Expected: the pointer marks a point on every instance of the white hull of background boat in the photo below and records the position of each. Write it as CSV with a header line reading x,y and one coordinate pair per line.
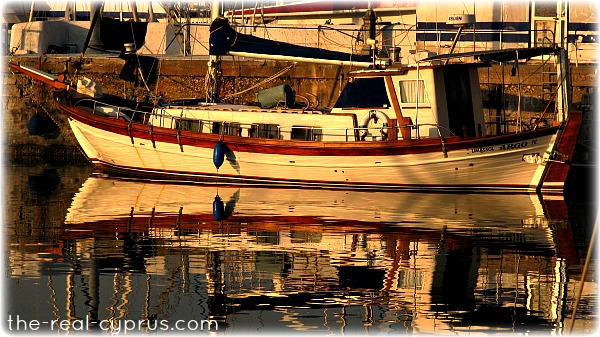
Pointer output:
x,y
495,167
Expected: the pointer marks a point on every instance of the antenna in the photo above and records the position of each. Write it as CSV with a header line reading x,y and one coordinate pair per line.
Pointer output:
x,y
461,21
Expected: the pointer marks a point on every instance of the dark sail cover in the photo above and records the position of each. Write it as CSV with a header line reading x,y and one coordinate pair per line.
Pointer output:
x,y
224,39
503,55
114,33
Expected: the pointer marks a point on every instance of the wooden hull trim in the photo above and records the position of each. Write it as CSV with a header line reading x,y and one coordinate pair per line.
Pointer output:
x,y
301,148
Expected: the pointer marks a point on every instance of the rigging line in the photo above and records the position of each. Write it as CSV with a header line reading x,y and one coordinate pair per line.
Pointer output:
x,y
138,60
334,29
550,101
162,41
70,139
536,70
269,79
403,31
411,27
465,6
174,37
158,75
157,83
335,43
193,36
26,29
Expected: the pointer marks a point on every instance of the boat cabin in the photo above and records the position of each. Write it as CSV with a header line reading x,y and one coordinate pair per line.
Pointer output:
x,y
408,103
429,100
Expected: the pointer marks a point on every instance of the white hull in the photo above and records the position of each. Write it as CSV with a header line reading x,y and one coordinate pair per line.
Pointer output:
x,y
467,169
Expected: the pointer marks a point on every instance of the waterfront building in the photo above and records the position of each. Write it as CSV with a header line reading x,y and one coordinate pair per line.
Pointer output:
x,y
404,30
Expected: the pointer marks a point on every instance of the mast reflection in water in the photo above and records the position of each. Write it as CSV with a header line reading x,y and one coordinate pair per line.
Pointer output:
x,y
252,259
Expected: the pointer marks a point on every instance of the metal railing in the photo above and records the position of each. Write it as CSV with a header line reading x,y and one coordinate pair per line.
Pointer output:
x,y
163,119
285,132
119,111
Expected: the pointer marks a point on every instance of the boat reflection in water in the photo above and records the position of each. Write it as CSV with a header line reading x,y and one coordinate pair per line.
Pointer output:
x,y
258,259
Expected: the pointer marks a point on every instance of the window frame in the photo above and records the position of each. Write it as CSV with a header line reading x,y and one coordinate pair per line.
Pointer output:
x,y
310,133
259,130
425,103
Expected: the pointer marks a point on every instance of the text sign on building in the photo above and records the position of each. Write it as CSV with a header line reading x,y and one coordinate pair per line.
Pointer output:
x,y
461,19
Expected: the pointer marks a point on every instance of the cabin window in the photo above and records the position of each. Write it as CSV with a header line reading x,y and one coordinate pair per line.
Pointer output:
x,y
409,94
269,131
544,33
364,93
188,124
206,127
230,129
545,8
216,128
306,133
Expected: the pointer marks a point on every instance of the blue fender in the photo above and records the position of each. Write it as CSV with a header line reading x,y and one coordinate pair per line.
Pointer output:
x,y
219,154
218,209
39,125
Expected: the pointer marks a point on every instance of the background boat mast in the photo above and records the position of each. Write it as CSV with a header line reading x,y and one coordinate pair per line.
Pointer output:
x,y
213,76
562,67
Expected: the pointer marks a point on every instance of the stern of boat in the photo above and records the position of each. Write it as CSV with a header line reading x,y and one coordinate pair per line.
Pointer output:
x,y
561,156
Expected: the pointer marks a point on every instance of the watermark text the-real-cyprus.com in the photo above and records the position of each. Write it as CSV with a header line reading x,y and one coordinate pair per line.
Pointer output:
x,y
111,325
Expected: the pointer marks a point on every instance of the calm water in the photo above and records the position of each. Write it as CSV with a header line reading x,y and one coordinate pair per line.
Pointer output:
x,y
94,253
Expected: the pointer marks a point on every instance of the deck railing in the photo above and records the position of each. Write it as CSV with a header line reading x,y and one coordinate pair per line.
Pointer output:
x,y
164,119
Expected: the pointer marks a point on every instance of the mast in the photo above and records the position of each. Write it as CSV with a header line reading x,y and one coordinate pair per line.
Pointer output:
x,y
461,21
70,14
369,31
562,66
562,74
31,11
213,76
150,12
134,11
93,38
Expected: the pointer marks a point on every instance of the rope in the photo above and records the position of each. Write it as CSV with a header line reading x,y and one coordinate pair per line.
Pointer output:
x,y
269,79
549,102
73,142
335,43
158,78
536,70
13,50
138,60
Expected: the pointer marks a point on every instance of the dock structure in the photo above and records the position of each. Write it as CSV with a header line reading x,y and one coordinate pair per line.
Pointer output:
x,y
404,31
177,37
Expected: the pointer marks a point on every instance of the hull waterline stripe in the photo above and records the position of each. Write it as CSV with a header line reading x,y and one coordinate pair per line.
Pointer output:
x,y
175,176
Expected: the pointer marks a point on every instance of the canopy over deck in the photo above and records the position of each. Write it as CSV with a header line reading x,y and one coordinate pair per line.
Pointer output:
x,y
499,55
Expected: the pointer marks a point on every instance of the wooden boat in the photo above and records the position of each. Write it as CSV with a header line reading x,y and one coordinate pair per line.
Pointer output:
x,y
413,128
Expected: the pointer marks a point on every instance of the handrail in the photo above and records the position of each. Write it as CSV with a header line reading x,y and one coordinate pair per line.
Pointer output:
x,y
162,116
106,104
348,133
97,103
553,42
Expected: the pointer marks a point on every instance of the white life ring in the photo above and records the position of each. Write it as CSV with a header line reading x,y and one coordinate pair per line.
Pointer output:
x,y
373,115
